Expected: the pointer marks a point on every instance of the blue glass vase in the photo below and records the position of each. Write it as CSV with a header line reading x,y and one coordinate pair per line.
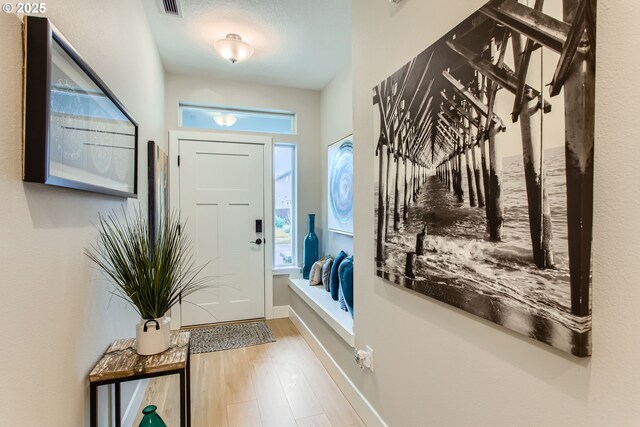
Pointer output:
x,y
310,248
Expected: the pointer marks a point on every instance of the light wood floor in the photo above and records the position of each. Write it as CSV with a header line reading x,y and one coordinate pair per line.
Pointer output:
x,y
278,384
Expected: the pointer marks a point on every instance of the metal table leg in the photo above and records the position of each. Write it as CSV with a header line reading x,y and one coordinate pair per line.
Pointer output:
x,y
183,399
118,405
93,405
188,364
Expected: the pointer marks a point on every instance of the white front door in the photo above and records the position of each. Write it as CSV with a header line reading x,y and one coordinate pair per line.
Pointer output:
x,y
221,199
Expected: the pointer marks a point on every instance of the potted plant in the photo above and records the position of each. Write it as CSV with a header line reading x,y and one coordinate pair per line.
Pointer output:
x,y
152,276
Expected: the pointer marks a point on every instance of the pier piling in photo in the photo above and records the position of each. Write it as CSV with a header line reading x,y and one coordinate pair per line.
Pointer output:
x,y
477,177
396,192
496,209
579,110
458,175
420,241
386,186
381,195
409,265
405,211
472,191
538,203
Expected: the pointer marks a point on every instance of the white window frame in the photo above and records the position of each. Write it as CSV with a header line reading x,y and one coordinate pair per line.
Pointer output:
x,y
294,268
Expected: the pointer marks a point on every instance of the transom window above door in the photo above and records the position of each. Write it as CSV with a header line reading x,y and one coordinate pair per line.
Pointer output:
x,y
237,119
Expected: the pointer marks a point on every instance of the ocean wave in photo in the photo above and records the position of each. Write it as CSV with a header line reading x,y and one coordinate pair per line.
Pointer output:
x,y
460,259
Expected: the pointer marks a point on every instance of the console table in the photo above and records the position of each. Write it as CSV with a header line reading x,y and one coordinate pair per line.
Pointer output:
x,y
121,363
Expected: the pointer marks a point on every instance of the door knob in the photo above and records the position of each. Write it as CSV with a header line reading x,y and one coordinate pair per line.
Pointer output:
x,y
257,241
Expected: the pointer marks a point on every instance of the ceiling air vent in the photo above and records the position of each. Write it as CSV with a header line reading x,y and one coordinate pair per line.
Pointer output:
x,y
171,7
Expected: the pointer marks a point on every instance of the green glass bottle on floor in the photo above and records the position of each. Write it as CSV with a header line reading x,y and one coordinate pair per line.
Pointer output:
x,y
151,419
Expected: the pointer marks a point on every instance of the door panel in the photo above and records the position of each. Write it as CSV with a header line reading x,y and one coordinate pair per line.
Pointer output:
x,y
221,196
210,164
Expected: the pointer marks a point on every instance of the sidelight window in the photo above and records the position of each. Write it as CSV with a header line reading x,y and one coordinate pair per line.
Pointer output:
x,y
285,202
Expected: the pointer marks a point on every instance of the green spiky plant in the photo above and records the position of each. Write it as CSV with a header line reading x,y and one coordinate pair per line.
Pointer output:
x,y
151,276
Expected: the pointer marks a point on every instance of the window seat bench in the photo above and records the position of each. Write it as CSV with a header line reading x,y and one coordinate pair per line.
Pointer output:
x,y
329,310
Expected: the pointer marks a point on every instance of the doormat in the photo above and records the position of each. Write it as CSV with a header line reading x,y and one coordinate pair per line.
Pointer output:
x,y
225,337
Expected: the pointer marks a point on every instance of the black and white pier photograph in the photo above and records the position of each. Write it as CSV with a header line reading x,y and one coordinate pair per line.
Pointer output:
x,y
484,169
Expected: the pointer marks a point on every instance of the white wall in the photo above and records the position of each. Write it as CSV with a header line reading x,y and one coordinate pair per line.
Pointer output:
x,y
305,103
436,365
336,118
57,315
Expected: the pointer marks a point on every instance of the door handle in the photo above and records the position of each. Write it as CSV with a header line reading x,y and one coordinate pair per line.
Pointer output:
x,y
257,242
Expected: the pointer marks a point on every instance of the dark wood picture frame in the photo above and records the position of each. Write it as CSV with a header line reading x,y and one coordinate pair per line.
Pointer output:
x,y
39,39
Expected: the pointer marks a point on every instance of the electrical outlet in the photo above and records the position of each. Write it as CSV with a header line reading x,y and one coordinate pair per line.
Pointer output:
x,y
370,351
358,355
364,358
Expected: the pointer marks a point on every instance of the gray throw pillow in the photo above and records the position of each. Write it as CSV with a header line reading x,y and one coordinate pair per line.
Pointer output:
x,y
326,273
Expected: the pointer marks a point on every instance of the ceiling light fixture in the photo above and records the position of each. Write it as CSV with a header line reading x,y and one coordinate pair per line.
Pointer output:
x,y
225,120
233,48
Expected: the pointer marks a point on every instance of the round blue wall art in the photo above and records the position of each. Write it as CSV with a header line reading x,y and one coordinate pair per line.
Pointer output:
x,y
341,186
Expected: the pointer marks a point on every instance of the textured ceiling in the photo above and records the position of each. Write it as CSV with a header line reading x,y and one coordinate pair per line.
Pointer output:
x,y
298,43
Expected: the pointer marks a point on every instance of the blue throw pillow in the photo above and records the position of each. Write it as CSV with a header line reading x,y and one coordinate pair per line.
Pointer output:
x,y
346,284
341,303
334,280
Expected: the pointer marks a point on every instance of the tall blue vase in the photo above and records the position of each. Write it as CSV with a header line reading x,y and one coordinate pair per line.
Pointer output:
x,y
310,247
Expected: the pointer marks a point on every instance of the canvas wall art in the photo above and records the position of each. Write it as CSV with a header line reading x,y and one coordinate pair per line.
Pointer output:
x,y
484,169
158,163
77,134
340,175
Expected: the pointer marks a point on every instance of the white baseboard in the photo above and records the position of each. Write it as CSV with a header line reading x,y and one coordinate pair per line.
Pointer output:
x,y
280,312
362,406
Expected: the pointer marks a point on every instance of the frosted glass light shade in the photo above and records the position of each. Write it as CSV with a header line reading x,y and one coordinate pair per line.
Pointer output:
x,y
226,120
233,48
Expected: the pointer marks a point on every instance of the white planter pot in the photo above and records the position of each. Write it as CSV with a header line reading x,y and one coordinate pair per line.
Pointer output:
x,y
153,336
